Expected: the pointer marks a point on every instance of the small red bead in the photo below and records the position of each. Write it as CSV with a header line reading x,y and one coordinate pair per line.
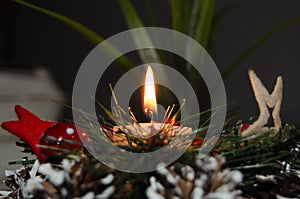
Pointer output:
x,y
58,138
197,142
244,127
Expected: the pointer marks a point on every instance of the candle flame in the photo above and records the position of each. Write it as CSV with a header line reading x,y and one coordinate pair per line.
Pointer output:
x,y
149,92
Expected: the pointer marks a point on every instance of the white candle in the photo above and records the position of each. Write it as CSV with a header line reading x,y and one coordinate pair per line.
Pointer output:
x,y
146,130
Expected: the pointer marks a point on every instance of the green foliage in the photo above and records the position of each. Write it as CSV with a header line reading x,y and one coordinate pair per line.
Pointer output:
x,y
133,21
196,22
255,155
260,154
180,13
204,21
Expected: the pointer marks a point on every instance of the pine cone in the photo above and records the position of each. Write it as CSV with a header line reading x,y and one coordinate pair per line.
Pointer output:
x,y
285,183
206,180
72,178
16,181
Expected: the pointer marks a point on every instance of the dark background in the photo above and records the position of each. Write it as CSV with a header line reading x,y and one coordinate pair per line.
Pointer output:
x,y
30,39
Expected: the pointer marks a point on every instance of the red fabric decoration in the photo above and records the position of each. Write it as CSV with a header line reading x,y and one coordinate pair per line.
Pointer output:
x,y
29,128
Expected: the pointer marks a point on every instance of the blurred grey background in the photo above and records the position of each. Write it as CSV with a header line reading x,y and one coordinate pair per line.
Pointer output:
x,y
29,39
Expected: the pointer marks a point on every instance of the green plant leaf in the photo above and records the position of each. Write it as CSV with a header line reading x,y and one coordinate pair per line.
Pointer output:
x,y
83,30
133,21
153,23
205,14
150,13
180,13
181,17
199,29
256,43
193,18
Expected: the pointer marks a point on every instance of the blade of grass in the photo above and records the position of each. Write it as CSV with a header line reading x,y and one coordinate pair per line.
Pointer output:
x,y
81,29
133,21
257,43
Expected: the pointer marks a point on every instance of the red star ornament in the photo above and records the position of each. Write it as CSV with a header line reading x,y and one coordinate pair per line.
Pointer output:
x,y
36,132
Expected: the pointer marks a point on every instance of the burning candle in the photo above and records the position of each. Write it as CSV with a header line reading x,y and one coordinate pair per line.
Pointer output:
x,y
146,130
150,104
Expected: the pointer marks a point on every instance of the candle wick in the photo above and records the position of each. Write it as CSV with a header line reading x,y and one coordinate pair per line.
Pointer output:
x,y
150,114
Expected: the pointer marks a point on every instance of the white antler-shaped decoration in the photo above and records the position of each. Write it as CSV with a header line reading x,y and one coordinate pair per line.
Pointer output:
x,y
265,100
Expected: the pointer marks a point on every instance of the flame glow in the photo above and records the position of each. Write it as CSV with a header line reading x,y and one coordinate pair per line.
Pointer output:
x,y
149,92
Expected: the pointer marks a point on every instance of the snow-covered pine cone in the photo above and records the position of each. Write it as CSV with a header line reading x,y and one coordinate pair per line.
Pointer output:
x,y
16,181
206,180
81,178
284,183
